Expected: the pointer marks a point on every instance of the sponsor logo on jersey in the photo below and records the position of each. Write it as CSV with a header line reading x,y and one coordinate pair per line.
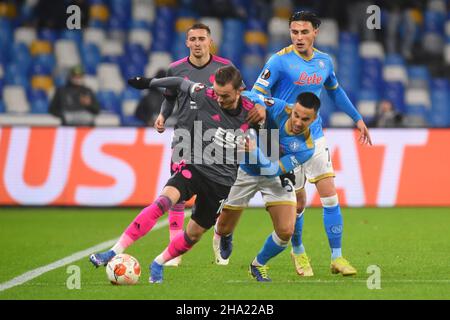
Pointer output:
x,y
294,161
306,79
266,74
269,102
193,105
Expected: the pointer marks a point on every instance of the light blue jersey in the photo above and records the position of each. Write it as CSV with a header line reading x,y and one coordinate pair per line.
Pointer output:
x,y
295,149
288,73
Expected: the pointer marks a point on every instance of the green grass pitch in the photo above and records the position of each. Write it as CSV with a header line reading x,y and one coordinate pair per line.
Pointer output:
x,y
410,245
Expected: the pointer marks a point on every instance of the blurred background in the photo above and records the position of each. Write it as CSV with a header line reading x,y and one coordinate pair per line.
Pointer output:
x,y
403,67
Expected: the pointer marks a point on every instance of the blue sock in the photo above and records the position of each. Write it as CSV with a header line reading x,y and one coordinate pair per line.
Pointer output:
x,y
272,247
297,244
332,220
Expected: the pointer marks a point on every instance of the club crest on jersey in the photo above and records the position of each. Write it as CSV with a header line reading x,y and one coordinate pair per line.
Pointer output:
x,y
321,64
198,87
306,79
294,146
266,74
269,102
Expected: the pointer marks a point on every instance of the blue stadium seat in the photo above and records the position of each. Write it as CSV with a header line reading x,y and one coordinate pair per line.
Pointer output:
x,y
130,70
440,101
20,55
139,24
434,22
48,61
108,101
75,35
131,94
136,53
39,68
90,56
394,59
419,76
2,106
371,74
395,92
48,34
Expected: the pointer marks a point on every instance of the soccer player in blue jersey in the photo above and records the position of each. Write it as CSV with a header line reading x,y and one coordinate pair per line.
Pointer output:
x,y
296,147
300,68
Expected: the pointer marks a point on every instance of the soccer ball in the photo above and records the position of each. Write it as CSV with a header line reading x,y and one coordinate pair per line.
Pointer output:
x,y
123,269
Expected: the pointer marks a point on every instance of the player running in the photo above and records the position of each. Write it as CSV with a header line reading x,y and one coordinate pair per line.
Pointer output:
x,y
297,146
210,175
200,67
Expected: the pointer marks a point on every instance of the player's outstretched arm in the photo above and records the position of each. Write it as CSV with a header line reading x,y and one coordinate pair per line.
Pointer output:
x,y
175,83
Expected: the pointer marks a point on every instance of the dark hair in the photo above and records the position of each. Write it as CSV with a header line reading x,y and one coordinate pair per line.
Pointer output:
x,y
227,74
309,100
196,26
305,16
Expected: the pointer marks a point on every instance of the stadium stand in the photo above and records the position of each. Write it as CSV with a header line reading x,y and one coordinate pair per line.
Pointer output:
x,y
124,38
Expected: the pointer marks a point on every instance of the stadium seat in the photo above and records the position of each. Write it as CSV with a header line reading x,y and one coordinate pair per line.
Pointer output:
x,y
395,73
141,37
35,120
40,47
418,97
143,10
277,27
2,105
90,55
395,92
39,68
215,25
329,33
48,35
66,53
74,35
111,48
419,77
107,119
42,82
99,12
156,62
15,99
127,115
340,120
183,23
371,49
109,77
91,82
94,35
25,34
108,101
447,54
394,59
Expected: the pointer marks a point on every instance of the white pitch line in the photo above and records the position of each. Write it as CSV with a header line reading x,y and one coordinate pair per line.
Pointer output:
x,y
27,276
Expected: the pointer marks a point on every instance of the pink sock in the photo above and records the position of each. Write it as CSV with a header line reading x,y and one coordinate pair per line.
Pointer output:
x,y
145,221
177,246
176,219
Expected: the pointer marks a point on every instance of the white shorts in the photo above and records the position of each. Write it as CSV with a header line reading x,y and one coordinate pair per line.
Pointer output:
x,y
318,167
273,193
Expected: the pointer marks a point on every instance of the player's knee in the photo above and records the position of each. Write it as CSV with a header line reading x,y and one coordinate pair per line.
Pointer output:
x,y
285,232
332,201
